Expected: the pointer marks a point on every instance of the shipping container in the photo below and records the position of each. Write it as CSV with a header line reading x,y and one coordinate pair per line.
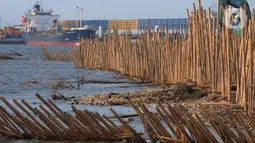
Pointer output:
x,y
123,24
172,24
142,24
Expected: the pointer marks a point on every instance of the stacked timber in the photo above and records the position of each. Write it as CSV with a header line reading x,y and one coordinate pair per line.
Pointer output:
x,y
123,24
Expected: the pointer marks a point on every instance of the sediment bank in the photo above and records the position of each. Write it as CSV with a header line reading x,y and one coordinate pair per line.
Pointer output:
x,y
172,94
5,57
12,56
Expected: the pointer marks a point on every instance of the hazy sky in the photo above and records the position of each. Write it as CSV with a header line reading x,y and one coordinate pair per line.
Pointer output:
x,y
12,10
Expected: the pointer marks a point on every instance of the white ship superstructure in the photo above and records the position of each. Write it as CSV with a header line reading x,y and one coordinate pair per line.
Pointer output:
x,y
39,19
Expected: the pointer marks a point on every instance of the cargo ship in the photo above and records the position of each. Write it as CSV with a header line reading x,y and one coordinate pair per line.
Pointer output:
x,y
10,35
42,27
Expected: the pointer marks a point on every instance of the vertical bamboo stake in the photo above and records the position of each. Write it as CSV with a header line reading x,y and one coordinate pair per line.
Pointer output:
x,y
228,65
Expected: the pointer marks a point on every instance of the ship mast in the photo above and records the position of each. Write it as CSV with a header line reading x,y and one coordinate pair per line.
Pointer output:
x,y
40,4
1,22
80,9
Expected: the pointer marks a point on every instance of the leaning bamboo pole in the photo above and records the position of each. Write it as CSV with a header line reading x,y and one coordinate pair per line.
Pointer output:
x,y
49,122
177,124
167,123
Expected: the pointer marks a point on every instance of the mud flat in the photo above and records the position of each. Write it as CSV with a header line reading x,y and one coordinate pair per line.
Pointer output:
x,y
4,57
12,56
173,94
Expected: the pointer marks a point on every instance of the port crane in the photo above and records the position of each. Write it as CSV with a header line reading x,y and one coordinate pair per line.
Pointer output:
x,y
77,8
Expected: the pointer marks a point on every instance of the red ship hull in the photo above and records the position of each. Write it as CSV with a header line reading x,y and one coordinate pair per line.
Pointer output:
x,y
50,43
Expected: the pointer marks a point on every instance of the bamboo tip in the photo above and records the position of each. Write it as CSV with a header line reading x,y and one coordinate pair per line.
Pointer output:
x,y
38,95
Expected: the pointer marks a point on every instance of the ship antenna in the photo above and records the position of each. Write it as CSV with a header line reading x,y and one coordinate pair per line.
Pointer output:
x,y
40,4
1,22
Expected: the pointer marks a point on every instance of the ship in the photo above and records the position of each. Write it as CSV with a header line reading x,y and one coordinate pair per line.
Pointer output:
x,y
10,35
42,27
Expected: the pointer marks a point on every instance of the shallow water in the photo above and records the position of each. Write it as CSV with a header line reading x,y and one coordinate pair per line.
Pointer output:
x,y
15,75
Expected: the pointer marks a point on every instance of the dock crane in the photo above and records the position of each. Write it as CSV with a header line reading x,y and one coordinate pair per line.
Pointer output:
x,y
77,8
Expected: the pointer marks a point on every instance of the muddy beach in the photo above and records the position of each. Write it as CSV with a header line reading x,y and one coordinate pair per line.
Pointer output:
x,y
166,95
11,55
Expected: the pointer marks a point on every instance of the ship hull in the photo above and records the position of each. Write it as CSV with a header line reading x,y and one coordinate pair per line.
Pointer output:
x,y
66,38
12,42
13,38
51,43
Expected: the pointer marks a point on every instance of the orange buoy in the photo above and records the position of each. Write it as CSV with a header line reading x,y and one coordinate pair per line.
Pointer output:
x,y
23,20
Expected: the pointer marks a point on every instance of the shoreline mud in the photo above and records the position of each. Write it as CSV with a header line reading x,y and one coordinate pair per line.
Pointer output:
x,y
12,56
177,93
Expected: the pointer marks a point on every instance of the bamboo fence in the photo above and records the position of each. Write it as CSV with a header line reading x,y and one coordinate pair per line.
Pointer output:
x,y
177,124
201,54
49,122
167,124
